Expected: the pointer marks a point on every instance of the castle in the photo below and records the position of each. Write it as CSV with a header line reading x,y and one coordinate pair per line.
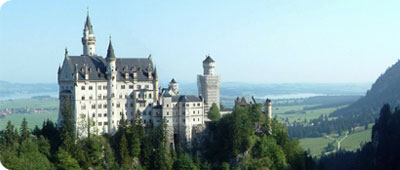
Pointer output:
x,y
100,91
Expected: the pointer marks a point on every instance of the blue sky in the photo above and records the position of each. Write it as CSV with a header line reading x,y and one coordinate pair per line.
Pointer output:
x,y
265,41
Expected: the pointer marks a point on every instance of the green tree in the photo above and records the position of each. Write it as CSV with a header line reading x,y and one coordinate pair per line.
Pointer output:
x,y
124,152
31,158
162,160
24,130
64,161
184,162
213,113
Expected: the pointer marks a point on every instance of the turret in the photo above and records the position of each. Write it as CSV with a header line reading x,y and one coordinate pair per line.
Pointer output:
x,y
155,85
88,39
208,66
268,109
174,86
111,88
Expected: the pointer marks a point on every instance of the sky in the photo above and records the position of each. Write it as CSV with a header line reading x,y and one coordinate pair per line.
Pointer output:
x,y
257,41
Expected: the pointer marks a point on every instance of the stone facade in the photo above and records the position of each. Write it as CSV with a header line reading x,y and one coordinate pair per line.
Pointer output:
x,y
100,91
209,84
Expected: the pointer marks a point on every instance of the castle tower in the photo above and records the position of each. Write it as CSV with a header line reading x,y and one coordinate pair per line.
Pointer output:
x,y
208,84
155,85
268,109
88,39
111,88
174,86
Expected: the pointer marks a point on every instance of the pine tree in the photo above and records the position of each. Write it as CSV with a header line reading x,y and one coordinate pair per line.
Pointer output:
x,y
24,130
162,160
124,152
213,113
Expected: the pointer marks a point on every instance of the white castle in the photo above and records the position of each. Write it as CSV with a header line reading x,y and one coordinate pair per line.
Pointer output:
x,y
103,90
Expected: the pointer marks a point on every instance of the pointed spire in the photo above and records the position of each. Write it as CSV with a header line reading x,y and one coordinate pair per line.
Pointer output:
x,y
88,24
66,52
150,58
155,72
110,52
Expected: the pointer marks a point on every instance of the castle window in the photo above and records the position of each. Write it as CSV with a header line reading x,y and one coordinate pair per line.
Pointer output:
x,y
105,123
150,96
90,87
194,112
90,97
83,116
132,113
122,86
112,95
120,96
99,97
146,86
83,97
131,104
183,120
183,105
120,113
83,107
99,115
187,105
105,106
144,121
82,87
150,121
198,104
138,87
93,115
130,86
93,106
99,123
198,119
194,104
118,105
142,104
105,114
104,97
194,119
167,105
167,113
99,87
198,111
105,87
126,96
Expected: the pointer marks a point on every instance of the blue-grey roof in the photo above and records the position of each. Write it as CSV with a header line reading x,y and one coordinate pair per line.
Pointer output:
x,y
96,66
110,52
186,98
208,60
88,25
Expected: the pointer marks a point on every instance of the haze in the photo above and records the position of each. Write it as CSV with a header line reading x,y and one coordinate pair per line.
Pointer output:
x,y
266,41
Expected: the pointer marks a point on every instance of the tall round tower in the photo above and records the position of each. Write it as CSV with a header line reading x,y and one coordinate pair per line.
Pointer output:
x,y
111,88
209,66
88,39
174,86
268,109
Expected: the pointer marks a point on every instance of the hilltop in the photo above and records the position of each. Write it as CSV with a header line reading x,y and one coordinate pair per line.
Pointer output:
x,y
386,89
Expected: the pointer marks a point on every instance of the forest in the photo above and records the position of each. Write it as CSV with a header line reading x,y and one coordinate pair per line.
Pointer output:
x,y
245,139
382,152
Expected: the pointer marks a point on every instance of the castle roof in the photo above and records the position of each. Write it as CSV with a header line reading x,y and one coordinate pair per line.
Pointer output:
x,y
110,52
172,81
186,98
96,66
88,24
208,60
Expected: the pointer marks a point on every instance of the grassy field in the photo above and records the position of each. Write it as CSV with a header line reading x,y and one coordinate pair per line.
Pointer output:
x,y
33,119
30,103
301,115
316,145
353,141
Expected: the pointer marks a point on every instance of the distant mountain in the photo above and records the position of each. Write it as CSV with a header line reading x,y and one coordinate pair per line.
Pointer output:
x,y
386,89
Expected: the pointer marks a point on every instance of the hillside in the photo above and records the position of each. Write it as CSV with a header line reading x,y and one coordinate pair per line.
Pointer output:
x,y
386,89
